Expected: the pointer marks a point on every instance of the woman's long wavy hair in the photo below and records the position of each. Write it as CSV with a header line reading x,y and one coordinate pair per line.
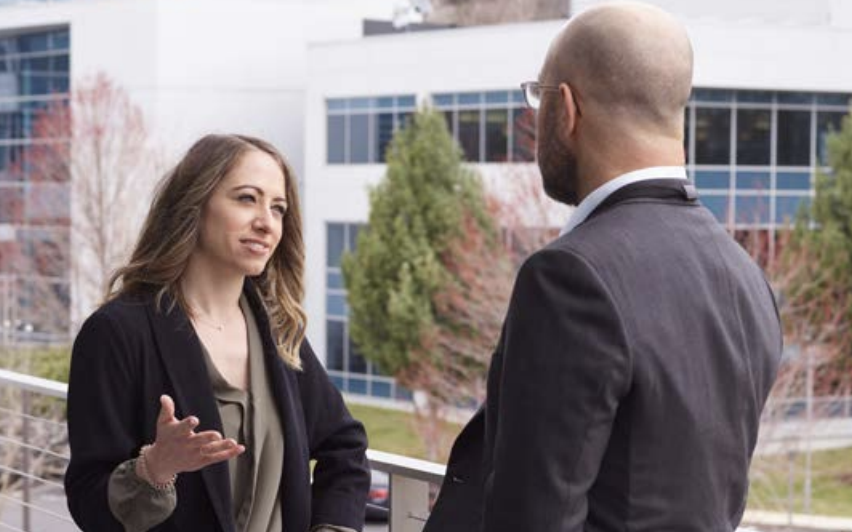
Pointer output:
x,y
171,230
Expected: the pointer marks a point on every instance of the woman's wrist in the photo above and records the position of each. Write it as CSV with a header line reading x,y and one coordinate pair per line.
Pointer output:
x,y
147,468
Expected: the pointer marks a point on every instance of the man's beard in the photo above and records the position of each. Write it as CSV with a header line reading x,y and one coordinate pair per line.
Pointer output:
x,y
558,167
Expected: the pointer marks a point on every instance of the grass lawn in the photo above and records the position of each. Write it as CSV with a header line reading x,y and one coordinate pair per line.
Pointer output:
x,y
831,484
396,432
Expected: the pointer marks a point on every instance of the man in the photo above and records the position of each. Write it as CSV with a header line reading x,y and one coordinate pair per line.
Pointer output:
x,y
639,347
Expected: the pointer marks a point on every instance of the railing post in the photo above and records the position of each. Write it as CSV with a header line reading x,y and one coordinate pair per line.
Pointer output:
x,y
409,504
25,437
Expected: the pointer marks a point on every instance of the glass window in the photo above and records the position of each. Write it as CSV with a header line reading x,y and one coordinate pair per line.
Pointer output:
x,y
752,209
793,181
795,97
833,99
712,179
718,205
334,245
442,100
352,241
469,98
357,363
794,138
34,42
448,117
712,136
469,134
406,102
47,250
334,280
336,305
496,135
497,97
787,208
381,389
48,203
712,95
686,135
334,334
755,96
336,104
359,138
827,122
384,134
753,140
357,385
336,139
385,102
523,135
753,181
11,204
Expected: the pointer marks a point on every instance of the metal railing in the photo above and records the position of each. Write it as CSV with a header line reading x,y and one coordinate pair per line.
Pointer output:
x,y
37,493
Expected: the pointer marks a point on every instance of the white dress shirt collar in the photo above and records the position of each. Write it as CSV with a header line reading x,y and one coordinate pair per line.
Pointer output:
x,y
590,202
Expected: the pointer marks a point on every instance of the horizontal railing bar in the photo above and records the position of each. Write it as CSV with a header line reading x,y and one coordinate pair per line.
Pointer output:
x,y
34,384
407,467
4,439
31,477
37,508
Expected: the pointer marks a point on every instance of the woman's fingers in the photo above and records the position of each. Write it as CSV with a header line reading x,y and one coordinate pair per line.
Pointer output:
x,y
167,410
221,450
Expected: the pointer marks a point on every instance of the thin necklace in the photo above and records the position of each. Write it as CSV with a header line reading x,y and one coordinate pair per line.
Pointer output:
x,y
219,328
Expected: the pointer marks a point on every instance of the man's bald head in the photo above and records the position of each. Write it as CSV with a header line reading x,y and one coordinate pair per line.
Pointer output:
x,y
626,60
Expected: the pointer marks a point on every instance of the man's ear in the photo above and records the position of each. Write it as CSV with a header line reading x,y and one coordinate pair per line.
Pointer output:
x,y
570,110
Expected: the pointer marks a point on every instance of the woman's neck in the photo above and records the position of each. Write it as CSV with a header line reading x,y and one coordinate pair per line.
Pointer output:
x,y
210,293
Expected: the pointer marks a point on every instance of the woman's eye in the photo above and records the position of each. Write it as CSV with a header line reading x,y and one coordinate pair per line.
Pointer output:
x,y
280,209
248,198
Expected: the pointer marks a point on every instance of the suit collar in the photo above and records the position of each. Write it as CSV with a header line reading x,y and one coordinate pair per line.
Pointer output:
x,y
661,189
591,202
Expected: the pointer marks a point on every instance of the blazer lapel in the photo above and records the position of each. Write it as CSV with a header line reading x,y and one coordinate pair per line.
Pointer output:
x,y
296,475
180,351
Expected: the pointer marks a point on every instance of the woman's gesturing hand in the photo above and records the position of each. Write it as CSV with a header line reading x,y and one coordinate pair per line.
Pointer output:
x,y
178,448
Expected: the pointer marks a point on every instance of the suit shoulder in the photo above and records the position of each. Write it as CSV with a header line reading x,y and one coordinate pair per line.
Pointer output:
x,y
117,313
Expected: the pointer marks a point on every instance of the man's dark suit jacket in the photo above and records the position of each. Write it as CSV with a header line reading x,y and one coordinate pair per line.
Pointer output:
x,y
128,353
627,385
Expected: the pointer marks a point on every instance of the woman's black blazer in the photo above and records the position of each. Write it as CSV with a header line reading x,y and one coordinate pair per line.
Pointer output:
x,y
129,352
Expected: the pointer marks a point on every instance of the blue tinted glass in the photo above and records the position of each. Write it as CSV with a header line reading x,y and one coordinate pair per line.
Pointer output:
x,y
334,342
795,97
59,63
793,181
384,133
60,40
753,181
358,385
752,209
833,99
336,104
718,205
361,103
381,389
334,245
354,229
712,179
336,142
787,208
359,138
334,280
33,42
470,98
338,382
755,96
442,100
517,97
712,136
406,102
336,305
712,95
385,102
497,97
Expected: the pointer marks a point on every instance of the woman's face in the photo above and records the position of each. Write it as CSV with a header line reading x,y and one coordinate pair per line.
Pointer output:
x,y
242,221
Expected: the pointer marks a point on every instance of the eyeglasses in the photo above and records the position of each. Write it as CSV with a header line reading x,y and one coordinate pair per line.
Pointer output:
x,y
532,92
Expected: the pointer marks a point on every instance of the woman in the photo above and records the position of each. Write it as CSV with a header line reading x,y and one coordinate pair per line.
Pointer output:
x,y
195,401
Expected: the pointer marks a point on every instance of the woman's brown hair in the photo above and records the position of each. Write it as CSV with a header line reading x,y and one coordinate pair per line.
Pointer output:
x,y
170,234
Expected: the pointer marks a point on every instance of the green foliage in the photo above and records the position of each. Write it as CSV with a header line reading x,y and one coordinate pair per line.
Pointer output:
x,y
827,236
416,212
52,363
394,431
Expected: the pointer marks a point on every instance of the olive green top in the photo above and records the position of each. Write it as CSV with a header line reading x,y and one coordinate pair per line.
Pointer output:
x,y
250,418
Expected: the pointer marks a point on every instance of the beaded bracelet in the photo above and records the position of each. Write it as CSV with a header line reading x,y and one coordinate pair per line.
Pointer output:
x,y
146,475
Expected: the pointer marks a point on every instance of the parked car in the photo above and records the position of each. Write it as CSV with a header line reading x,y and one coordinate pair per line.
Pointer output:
x,y
378,501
